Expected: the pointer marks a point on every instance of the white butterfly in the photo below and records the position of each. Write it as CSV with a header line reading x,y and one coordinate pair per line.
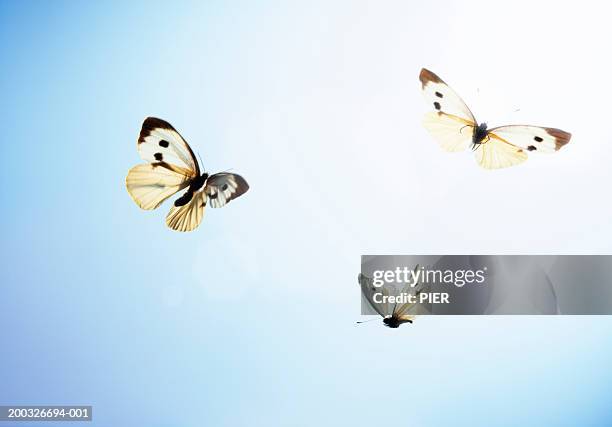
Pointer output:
x,y
393,315
454,127
173,167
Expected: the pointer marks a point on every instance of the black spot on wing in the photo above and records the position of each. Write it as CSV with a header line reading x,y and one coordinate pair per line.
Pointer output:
x,y
531,148
439,95
437,105
150,124
164,143
159,157
538,139
213,196
224,187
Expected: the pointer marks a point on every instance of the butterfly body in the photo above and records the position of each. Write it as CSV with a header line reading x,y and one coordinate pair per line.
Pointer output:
x,y
480,133
494,148
172,167
195,185
395,321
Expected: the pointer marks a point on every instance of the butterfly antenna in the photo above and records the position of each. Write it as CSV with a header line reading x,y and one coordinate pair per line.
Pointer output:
x,y
201,162
365,321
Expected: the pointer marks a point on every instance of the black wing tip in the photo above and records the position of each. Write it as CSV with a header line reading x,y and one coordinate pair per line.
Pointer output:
x,y
243,187
427,76
151,123
242,184
156,122
561,137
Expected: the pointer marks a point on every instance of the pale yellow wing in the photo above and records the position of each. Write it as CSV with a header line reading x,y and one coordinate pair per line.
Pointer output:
x,y
151,183
453,133
188,216
497,153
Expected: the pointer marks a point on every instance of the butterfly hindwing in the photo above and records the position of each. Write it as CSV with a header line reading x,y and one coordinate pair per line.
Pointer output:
x,y
451,132
497,153
188,216
223,187
533,138
149,184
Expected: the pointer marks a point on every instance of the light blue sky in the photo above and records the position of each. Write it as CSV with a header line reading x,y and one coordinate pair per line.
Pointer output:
x,y
249,320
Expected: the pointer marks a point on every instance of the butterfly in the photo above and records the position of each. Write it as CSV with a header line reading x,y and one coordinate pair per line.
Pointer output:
x,y
394,316
172,167
454,127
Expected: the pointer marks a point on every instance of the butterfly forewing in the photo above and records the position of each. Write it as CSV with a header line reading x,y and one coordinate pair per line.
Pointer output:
x,y
160,142
533,138
223,187
443,98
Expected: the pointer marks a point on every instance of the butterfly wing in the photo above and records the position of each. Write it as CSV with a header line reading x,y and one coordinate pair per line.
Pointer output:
x,y
221,188
442,97
452,123
532,138
451,132
401,311
498,153
368,290
188,216
160,142
172,164
149,184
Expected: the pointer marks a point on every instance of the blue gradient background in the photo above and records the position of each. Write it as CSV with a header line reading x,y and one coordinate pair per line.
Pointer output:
x,y
250,319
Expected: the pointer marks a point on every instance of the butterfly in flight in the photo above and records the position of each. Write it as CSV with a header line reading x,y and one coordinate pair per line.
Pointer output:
x,y
393,315
454,127
172,167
